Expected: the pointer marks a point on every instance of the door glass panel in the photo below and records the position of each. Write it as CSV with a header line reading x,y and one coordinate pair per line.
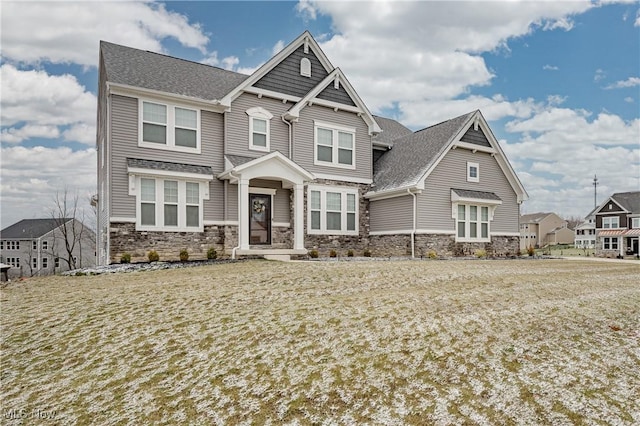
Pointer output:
x,y
260,219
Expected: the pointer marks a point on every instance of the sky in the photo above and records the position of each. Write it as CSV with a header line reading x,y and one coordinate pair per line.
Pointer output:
x,y
558,81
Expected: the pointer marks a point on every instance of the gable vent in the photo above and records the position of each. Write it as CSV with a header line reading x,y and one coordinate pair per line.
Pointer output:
x,y
305,67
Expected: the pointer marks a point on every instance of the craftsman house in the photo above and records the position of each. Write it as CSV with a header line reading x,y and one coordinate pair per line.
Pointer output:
x,y
285,160
618,225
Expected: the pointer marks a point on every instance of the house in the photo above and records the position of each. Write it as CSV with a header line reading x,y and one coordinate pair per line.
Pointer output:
x,y
542,229
618,225
285,160
585,237
39,246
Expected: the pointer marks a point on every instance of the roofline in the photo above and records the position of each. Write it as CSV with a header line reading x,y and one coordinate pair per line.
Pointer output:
x,y
597,209
127,90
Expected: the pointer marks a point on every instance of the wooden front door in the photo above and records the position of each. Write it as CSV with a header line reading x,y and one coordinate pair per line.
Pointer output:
x,y
259,219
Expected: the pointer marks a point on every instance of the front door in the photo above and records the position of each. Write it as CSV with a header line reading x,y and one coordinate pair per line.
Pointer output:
x,y
259,219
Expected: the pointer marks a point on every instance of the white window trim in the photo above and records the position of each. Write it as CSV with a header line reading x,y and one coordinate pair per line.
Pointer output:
x,y
335,128
635,222
609,219
323,210
159,204
477,167
261,114
467,221
610,240
170,126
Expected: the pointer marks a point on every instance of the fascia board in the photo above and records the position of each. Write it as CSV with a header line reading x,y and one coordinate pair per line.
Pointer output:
x,y
132,91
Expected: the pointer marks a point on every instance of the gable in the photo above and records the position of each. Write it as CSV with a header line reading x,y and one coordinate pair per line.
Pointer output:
x,y
285,77
610,206
339,95
475,136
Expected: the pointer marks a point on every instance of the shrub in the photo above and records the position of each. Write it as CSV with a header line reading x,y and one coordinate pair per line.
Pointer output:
x,y
125,258
212,253
531,251
333,253
518,253
350,253
153,256
313,254
184,255
366,253
432,254
481,254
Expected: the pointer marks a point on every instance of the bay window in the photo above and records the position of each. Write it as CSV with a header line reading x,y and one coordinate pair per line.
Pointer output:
x,y
332,211
169,204
472,223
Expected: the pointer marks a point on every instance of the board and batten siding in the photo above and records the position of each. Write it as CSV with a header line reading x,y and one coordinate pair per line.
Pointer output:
x,y
124,143
391,214
434,203
238,125
304,139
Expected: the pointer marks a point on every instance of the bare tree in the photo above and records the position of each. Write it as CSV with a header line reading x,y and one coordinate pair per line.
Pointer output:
x,y
70,224
573,221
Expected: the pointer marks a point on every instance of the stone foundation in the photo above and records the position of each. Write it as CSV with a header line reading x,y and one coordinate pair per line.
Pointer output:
x,y
429,245
125,239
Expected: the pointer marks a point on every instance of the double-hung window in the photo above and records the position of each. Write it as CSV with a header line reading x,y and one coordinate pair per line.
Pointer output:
x,y
171,127
45,245
610,243
169,204
473,172
635,222
259,128
472,223
610,222
332,211
334,145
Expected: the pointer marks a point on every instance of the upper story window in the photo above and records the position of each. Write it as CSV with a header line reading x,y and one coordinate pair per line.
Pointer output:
x,y
611,222
635,222
332,210
473,172
170,127
34,245
13,245
259,129
45,245
334,145
169,205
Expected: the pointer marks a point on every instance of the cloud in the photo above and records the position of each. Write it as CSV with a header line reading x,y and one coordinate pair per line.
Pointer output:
x,y
306,10
228,63
277,47
35,104
550,68
629,100
30,177
630,82
68,32
599,75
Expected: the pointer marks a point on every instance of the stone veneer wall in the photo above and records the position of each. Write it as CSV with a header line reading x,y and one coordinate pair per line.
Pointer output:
x,y
340,243
125,239
441,245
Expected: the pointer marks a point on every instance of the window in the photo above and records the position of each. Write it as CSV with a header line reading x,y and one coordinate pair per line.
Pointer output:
x,y
56,262
14,261
259,128
34,245
169,127
13,245
334,145
45,263
305,67
169,205
473,172
472,223
635,222
610,222
332,210
45,245
34,263
1,244
610,243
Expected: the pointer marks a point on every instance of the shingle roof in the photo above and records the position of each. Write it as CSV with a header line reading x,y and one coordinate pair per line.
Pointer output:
x,y
480,195
629,200
391,130
172,167
238,160
413,154
533,217
139,68
32,228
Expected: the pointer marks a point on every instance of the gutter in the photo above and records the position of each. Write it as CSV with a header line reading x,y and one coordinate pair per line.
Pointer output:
x,y
285,121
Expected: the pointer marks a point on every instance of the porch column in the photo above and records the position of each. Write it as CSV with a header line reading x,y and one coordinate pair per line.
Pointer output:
x,y
621,245
298,220
243,213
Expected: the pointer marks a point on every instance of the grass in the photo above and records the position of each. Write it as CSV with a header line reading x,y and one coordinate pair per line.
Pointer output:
x,y
451,342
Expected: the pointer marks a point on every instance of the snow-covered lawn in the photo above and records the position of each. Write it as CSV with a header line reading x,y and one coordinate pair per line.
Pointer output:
x,y
422,342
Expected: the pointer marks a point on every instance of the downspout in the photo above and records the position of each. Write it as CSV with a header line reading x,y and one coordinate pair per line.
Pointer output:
x,y
413,231
233,251
285,121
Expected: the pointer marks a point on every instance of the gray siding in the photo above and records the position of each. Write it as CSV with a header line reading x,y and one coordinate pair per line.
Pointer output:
x,y
286,78
476,137
304,139
124,142
281,204
339,95
238,125
434,204
392,214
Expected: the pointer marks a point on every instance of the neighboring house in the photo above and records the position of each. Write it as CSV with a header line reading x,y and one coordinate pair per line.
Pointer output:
x,y
285,160
37,246
585,237
542,229
618,225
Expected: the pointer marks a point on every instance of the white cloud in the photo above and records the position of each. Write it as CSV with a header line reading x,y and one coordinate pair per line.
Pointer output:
x,y
277,47
630,82
548,67
599,75
31,176
629,99
34,104
228,63
306,10
68,32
